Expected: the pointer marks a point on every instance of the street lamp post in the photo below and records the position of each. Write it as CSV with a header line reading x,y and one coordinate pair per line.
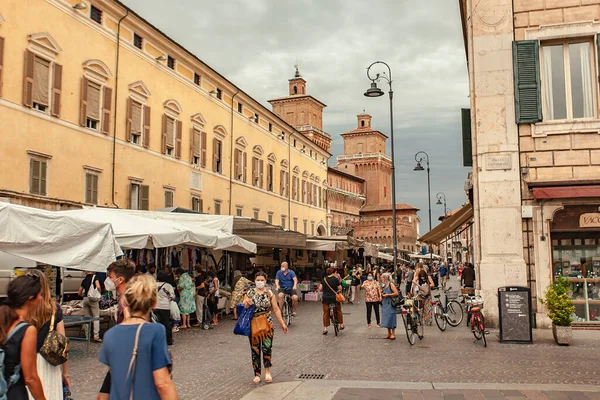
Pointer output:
x,y
419,158
440,196
374,91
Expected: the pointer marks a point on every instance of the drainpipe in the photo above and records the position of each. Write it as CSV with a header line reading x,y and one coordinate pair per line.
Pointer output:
x,y
114,147
231,155
290,170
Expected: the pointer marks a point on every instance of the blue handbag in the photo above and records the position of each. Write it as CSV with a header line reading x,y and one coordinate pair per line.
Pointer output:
x,y
242,326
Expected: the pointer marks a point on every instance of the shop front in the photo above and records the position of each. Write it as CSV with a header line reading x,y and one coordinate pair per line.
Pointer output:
x,y
575,241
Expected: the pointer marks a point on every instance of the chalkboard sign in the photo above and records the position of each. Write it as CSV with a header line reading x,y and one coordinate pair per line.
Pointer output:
x,y
514,306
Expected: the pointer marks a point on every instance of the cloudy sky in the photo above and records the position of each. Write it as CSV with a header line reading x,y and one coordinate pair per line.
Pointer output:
x,y
255,44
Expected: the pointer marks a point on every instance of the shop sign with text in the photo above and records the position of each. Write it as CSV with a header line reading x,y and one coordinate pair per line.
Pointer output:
x,y
589,220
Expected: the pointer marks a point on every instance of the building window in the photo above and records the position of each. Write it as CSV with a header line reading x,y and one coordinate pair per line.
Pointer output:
x,y
256,213
96,14
271,129
217,207
170,136
305,227
41,85
196,79
38,169
568,79
240,159
169,198
296,224
219,94
217,156
257,172
240,107
170,62
139,196
136,112
256,118
239,211
283,221
197,204
270,217
93,100
138,41
270,169
91,188
312,227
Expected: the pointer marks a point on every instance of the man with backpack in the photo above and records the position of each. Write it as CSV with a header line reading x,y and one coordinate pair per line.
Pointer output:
x,y
443,273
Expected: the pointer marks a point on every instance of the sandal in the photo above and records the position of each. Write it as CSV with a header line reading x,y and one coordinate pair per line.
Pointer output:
x,y
256,379
97,340
387,336
324,332
268,379
392,337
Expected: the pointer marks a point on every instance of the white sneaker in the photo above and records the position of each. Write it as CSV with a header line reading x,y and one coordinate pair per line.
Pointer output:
x,y
175,329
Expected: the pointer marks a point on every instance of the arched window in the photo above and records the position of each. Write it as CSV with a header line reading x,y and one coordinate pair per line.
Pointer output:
x,y
96,96
240,160
258,167
171,129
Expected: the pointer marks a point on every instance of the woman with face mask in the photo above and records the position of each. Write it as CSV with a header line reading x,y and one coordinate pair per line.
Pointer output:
x,y
372,297
266,305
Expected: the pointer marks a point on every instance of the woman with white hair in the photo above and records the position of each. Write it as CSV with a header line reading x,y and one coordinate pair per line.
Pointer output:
x,y
388,318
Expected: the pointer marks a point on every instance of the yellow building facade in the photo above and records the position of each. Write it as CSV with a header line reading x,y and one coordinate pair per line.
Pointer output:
x,y
99,107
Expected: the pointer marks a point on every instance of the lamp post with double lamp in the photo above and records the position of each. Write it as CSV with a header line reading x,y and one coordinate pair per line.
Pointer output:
x,y
440,196
374,91
419,158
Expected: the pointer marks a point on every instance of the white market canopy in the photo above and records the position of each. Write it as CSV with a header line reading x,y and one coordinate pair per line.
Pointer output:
x,y
385,256
193,223
52,238
135,232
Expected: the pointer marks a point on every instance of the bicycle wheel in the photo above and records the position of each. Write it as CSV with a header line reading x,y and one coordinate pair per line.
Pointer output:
x,y
476,328
285,313
455,313
408,326
420,325
336,327
440,318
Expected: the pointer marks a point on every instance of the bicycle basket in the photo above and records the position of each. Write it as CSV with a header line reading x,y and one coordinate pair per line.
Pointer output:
x,y
475,302
467,291
452,294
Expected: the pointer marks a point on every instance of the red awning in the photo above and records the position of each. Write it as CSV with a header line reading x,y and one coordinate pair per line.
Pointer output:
x,y
566,192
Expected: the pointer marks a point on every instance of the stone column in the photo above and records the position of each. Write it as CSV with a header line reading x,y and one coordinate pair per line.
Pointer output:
x,y
496,175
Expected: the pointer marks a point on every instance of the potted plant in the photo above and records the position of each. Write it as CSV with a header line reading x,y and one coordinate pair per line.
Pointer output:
x,y
560,308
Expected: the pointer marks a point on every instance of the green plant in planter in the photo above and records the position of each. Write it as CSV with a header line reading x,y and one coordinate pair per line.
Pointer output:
x,y
559,303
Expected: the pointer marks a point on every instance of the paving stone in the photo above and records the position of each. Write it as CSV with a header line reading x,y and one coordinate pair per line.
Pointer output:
x,y
215,364
367,394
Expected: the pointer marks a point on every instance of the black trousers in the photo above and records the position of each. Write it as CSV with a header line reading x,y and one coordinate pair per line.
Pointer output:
x,y
372,305
164,317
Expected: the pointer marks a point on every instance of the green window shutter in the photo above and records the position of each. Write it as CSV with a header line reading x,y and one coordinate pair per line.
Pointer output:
x,y
465,114
528,99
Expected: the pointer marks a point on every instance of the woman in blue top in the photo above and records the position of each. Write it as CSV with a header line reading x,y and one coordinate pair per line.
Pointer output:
x,y
153,359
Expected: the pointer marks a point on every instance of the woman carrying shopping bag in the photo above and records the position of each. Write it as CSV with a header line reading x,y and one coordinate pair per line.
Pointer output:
x,y
91,291
261,332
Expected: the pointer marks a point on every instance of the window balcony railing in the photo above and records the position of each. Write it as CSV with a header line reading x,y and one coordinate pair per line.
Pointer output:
x,y
305,128
359,156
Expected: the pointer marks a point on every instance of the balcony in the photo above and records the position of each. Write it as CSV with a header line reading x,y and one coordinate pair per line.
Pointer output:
x,y
361,156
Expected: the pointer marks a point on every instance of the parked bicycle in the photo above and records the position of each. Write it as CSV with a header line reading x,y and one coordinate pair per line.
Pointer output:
x,y
286,309
412,315
475,319
449,312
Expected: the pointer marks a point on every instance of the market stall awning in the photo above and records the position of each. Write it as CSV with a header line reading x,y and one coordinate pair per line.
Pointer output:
x,y
450,224
60,240
140,232
566,192
198,226
385,256
265,234
325,245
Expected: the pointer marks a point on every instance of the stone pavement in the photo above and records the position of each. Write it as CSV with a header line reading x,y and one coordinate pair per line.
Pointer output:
x,y
349,390
215,364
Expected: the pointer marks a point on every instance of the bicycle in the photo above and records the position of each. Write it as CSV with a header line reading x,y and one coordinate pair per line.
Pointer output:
x,y
448,313
475,317
412,315
347,291
286,309
333,318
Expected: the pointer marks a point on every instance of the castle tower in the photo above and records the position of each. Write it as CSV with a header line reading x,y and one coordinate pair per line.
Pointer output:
x,y
364,156
303,112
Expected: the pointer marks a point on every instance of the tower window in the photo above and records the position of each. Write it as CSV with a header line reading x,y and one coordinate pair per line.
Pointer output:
x,y
295,89
362,123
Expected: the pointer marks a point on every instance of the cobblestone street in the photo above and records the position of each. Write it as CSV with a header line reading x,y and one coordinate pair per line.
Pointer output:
x,y
216,364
